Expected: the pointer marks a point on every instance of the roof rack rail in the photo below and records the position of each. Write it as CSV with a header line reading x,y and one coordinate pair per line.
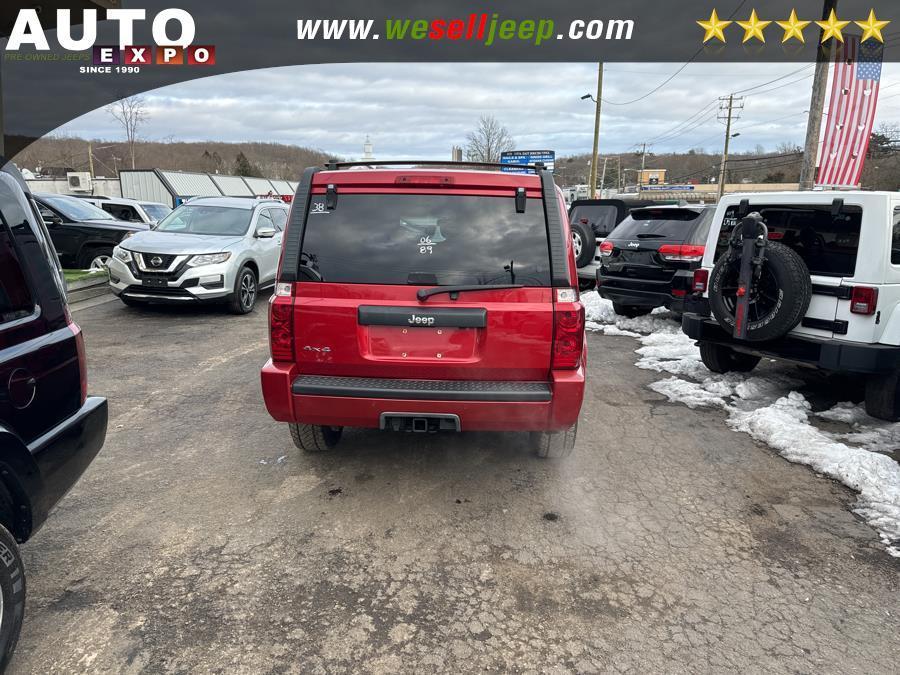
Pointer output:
x,y
335,165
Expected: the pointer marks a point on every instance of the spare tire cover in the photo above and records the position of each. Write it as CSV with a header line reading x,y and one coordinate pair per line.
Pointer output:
x,y
778,302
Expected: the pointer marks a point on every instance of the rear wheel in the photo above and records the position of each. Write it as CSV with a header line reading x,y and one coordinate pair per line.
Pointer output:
x,y
556,444
883,397
243,298
12,596
722,359
631,311
315,438
585,243
586,285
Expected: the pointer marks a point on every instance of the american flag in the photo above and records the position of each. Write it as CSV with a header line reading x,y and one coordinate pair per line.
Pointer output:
x,y
851,112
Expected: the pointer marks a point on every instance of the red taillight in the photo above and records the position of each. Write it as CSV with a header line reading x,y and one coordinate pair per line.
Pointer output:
x,y
82,357
701,279
681,252
775,236
281,324
606,248
568,339
863,300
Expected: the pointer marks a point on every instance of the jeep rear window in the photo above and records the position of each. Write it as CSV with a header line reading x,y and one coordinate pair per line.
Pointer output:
x,y
827,243
432,240
601,219
687,225
15,298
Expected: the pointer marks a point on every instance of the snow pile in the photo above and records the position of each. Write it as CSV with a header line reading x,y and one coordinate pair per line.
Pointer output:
x,y
769,409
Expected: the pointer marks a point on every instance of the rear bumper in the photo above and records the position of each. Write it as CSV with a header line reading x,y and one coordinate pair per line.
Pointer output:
x,y
63,454
825,354
480,406
646,293
589,271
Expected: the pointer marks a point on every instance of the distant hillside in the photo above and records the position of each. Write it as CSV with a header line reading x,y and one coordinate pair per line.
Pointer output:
x,y
270,160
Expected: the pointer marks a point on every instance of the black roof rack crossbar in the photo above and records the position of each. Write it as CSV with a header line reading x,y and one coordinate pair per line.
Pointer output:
x,y
334,165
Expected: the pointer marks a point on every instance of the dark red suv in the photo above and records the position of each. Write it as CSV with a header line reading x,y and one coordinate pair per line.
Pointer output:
x,y
427,299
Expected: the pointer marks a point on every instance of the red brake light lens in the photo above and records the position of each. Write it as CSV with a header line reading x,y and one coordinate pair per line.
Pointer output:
x,y
606,249
568,340
281,328
863,300
79,349
701,280
681,252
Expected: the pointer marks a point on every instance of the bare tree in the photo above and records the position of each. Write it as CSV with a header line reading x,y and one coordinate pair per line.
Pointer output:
x,y
489,139
131,113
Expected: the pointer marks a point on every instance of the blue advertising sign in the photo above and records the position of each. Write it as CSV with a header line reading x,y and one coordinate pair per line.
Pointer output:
x,y
516,158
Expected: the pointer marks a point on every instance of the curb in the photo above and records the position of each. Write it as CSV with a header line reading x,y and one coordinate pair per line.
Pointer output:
x,y
85,289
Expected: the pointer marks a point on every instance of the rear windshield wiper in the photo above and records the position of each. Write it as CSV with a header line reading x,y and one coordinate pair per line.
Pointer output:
x,y
425,293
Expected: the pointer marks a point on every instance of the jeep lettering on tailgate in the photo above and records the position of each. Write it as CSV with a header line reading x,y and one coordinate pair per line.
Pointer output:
x,y
415,320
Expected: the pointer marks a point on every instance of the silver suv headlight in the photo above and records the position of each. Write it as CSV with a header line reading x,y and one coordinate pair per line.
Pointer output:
x,y
208,259
122,254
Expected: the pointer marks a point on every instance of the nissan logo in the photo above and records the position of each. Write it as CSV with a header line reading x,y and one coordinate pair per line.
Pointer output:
x,y
156,261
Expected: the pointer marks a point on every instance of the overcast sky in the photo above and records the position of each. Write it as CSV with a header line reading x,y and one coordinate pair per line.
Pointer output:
x,y
421,110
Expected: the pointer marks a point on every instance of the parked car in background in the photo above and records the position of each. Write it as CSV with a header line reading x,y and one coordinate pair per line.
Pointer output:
x,y
827,294
210,249
130,210
591,221
50,429
84,235
649,259
407,308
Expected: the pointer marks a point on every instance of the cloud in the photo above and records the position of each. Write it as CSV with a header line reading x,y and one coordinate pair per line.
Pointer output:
x,y
422,109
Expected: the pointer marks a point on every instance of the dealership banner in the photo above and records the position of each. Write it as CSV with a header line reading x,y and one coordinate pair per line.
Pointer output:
x,y
62,59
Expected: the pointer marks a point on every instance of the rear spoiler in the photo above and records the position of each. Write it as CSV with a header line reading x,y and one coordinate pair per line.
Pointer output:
x,y
556,233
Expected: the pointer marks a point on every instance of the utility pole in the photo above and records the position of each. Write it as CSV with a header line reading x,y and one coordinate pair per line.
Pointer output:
x,y
603,177
90,159
727,106
643,163
816,106
593,190
620,184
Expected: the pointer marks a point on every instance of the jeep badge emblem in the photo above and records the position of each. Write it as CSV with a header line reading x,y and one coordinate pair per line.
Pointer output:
x,y
415,320
633,244
156,261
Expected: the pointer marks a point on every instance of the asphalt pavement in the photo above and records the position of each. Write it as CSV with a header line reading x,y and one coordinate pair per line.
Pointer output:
x,y
201,540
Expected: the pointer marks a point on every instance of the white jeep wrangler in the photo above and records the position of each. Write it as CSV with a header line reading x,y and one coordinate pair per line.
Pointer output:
x,y
821,288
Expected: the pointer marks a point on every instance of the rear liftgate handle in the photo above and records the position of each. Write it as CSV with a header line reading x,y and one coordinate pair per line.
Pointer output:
x,y
753,236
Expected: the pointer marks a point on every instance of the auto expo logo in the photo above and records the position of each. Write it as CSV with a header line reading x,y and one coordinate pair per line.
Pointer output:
x,y
173,34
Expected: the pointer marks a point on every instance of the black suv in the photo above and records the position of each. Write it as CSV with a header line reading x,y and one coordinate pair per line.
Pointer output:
x,y
591,221
649,259
83,234
50,429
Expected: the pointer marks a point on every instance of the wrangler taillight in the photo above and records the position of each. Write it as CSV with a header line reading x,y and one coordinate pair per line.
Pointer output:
x,y
568,337
606,248
701,280
281,323
863,300
82,358
681,252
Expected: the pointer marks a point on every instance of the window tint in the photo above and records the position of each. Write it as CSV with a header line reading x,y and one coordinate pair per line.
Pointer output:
x,y
75,209
426,240
828,244
15,298
686,225
279,216
212,220
602,219
895,239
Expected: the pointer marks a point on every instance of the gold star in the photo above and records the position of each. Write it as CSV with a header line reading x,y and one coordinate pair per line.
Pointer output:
x,y
832,28
753,27
793,27
713,27
872,27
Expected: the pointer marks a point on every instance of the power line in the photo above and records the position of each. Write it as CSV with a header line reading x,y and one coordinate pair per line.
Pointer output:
x,y
686,121
777,79
699,123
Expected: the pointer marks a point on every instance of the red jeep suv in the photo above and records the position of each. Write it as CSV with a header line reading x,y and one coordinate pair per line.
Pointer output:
x,y
427,299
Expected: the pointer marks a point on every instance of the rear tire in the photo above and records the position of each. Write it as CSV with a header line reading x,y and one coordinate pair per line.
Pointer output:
x,y
12,587
556,444
586,285
315,438
883,397
585,242
631,311
722,359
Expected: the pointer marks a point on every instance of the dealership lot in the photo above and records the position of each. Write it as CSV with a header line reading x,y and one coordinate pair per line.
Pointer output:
x,y
201,539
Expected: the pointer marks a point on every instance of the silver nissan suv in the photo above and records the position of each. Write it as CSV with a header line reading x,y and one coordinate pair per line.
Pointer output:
x,y
209,249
